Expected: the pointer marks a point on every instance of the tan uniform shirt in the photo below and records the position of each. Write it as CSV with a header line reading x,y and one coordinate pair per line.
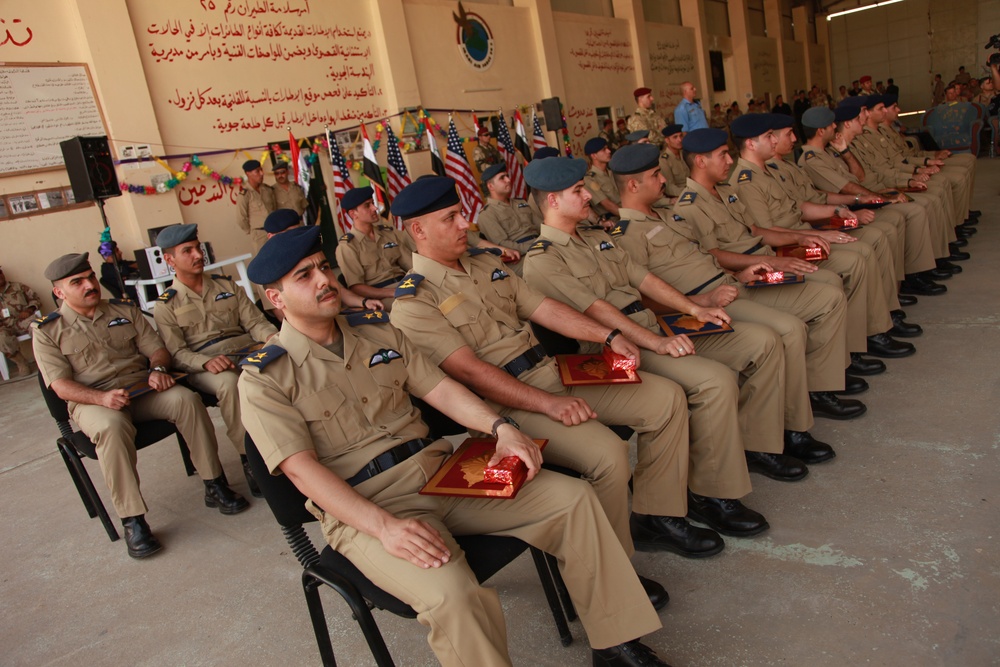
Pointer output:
x,y
675,170
872,148
827,171
253,207
15,298
189,322
648,119
601,185
486,155
718,222
508,224
378,262
294,197
764,195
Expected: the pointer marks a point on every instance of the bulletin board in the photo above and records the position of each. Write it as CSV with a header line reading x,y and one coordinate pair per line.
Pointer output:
x,y
42,104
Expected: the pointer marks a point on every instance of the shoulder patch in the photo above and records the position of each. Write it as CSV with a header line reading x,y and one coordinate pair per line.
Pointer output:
x,y
167,295
263,357
408,286
620,228
367,317
221,276
745,176
51,317
479,251
542,245
810,155
347,238
128,302
687,197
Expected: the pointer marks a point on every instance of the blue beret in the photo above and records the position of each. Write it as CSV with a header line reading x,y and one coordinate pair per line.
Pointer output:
x,y
889,99
176,235
491,171
67,265
555,174
818,117
594,145
780,121
543,153
750,125
282,252
637,135
846,113
705,140
671,130
856,101
424,196
250,165
281,219
356,197
635,158
874,100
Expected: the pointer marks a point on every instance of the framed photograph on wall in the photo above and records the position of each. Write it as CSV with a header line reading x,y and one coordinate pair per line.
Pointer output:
x,y
718,71
24,204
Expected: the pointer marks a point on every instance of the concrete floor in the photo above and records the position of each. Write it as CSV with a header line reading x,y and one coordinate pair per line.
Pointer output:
x,y
886,556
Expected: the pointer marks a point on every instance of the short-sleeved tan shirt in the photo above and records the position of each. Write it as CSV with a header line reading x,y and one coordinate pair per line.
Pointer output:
x,y
601,185
718,222
188,321
648,119
294,197
580,271
655,243
796,183
764,196
379,262
15,298
826,171
676,171
508,224
347,409
110,351
253,207
873,149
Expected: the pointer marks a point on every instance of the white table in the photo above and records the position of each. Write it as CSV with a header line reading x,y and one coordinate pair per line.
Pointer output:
x,y
161,283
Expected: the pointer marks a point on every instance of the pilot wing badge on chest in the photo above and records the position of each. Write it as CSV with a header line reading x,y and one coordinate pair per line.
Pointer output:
x,y
224,295
119,321
498,274
384,356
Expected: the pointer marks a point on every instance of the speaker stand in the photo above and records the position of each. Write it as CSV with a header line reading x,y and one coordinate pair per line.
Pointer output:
x,y
107,227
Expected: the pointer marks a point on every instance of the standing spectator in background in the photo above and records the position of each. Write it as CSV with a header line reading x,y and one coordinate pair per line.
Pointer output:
x,y
855,88
892,88
880,87
288,194
621,133
986,92
688,113
734,112
866,86
608,134
963,77
752,106
718,119
781,107
843,93
937,95
800,106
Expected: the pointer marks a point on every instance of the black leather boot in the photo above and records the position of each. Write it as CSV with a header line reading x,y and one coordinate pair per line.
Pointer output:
x,y
217,494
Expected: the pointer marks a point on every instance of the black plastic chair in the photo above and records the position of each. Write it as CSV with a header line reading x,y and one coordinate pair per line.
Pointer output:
x,y
485,554
74,446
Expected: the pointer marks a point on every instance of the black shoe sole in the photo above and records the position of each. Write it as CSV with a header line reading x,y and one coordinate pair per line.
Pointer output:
x,y
864,372
900,333
145,553
693,514
761,470
891,355
819,413
228,511
641,545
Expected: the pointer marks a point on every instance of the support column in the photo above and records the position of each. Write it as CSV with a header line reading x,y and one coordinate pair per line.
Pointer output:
x,y
393,40
739,28
800,32
772,25
823,45
543,32
631,10
693,16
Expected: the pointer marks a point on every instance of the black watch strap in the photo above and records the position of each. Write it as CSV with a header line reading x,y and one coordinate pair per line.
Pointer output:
x,y
500,422
611,336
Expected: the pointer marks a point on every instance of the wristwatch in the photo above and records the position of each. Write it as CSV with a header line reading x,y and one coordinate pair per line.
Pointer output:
x,y
611,336
500,422
159,369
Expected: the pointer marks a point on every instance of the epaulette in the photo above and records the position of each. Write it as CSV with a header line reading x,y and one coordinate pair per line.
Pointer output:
x,y
687,197
589,228
263,357
479,251
773,165
221,276
347,237
745,176
51,317
408,287
384,228
810,155
360,317
167,295
542,245
620,228
124,301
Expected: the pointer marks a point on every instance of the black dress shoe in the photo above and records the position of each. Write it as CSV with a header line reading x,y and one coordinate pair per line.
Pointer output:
x,y
658,596
629,654
971,221
957,255
902,328
804,447
829,405
251,482
776,466
945,265
217,494
965,232
907,299
864,366
958,243
852,385
139,538
919,284
937,274
886,347
673,533
974,213
726,515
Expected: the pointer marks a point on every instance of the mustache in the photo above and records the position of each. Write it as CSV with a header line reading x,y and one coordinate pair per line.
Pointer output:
x,y
322,295
92,291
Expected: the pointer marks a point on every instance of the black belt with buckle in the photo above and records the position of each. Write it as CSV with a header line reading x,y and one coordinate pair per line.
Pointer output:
x,y
388,459
386,283
525,239
214,341
526,361
705,284
754,249
634,307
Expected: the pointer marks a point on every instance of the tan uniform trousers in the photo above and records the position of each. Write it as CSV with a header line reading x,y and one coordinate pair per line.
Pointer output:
x,y
555,513
655,409
940,218
850,272
223,387
823,309
879,282
961,187
887,246
10,346
113,433
910,222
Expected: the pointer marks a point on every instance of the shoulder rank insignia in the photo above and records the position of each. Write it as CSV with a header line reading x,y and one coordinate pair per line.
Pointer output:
x,y
542,245
678,218
589,228
773,165
51,317
367,317
606,245
687,197
620,228
733,199
745,176
346,238
383,356
498,274
408,287
224,295
167,295
835,152
810,155
479,251
127,302
119,321
390,244
221,276
384,228
263,357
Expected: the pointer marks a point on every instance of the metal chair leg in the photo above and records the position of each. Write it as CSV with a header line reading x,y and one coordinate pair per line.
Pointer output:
x,y
185,455
310,588
85,486
560,585
552,596
362,614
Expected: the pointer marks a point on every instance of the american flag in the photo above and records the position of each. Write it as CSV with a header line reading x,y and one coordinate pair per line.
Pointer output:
x,y
537,136
519,189
399,178
457,166
341,180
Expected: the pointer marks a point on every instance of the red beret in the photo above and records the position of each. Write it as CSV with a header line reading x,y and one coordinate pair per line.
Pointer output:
x,y
865,78
482,130
639,92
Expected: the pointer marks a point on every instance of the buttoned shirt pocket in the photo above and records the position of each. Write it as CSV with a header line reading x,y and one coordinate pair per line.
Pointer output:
x,y
79,350
123,337
224,312
390,375
469,318
189,316
614,266
333,422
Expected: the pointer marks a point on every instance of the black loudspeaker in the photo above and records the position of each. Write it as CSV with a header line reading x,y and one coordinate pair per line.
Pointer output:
x,y
91,168
552,111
